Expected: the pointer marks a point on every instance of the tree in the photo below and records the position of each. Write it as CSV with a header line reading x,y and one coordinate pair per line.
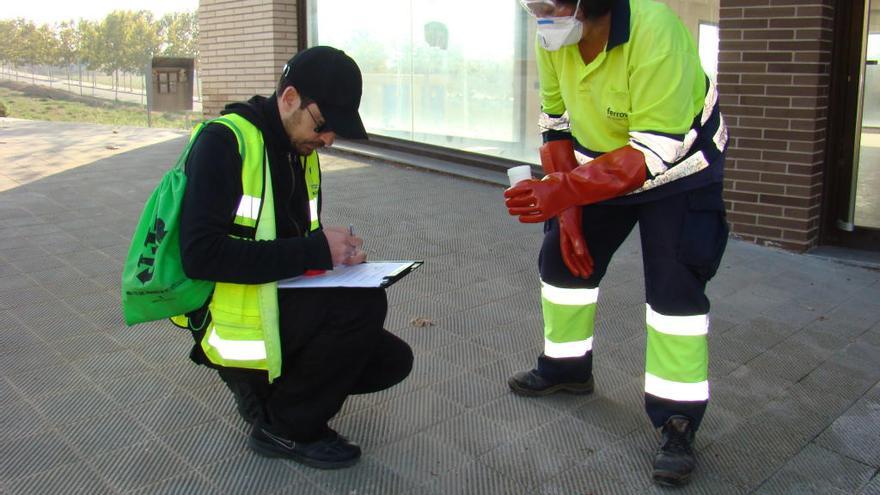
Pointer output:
x,y
179,32
69,41
8,41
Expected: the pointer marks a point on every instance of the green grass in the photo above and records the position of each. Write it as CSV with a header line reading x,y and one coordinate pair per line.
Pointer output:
x,y
24,101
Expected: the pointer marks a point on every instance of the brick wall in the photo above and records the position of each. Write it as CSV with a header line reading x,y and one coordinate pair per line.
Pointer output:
x,y
773,77
243,45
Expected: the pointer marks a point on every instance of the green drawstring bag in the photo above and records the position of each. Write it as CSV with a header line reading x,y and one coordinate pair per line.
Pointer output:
x,y
154,286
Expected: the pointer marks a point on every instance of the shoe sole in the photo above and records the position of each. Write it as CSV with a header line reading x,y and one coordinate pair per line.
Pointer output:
x,y
562,387
668,478
269,450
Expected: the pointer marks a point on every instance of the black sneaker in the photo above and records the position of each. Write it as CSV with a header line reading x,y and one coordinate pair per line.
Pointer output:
x,y
331,452
675,459
533,384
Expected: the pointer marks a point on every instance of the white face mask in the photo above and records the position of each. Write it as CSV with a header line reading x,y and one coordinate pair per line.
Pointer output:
x,y
554,32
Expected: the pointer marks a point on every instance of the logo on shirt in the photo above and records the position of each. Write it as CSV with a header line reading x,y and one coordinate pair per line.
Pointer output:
x,y
611,114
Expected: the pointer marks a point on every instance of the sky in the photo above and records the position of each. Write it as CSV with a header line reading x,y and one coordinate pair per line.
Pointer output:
x,y
54,11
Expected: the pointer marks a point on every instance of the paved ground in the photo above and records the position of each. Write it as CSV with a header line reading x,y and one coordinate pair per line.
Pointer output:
x,y
89,405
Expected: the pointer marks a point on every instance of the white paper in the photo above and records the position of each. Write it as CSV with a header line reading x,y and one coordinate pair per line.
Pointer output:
x,y
370,274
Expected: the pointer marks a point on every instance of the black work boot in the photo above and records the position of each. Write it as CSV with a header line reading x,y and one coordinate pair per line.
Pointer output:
x,y
572,375
675,460
332,451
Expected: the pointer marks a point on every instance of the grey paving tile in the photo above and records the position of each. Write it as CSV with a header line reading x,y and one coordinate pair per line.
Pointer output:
x,y
28,357
422,408
470,390
817,470
524,335
473,433
794,348
872,487
207,443
421,457
87,345
190,483
467,354
77,477
611,416
171,413
249,473
473,479
15,337
428,338
33,454
367,476
518,414
856,433
74,405
102,433
138,388
20,419
49,380
573,437
616,469
527,462
372,428
138,465
112,365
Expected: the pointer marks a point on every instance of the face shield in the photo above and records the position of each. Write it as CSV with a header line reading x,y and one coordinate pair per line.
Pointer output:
x,y
539,8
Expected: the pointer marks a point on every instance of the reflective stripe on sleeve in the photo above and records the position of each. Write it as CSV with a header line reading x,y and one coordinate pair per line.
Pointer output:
x,y
249,207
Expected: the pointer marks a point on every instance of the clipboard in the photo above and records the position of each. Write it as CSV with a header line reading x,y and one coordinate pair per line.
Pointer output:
x,y
370,274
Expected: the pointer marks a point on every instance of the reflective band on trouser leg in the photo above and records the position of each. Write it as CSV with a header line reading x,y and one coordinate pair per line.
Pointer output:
x,y
568,320
677,359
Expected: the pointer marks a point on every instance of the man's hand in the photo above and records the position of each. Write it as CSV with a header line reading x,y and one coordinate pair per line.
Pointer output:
x,y
535,201
571,241
345,249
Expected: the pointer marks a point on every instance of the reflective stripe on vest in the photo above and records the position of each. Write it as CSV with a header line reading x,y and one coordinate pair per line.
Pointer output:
x,y
312,172
243,332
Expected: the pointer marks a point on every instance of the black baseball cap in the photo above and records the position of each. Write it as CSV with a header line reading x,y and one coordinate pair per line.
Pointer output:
x,y
332,80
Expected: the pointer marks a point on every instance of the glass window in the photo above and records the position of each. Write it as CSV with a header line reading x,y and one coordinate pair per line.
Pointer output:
x,y
454,73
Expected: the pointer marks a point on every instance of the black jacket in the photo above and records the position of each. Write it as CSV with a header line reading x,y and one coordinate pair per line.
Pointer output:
x,y
212,195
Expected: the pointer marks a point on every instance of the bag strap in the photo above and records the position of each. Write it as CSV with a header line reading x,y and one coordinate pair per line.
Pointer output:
x,y
184,155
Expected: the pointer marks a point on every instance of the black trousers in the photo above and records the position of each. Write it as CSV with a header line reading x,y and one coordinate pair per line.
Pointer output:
x,y
683,238
333,345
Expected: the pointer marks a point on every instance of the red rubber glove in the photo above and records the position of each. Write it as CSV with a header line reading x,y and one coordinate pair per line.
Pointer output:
x,y
610,175
558,156
571,241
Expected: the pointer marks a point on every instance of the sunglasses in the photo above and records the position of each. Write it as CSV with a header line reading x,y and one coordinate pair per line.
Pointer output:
x,y
319,128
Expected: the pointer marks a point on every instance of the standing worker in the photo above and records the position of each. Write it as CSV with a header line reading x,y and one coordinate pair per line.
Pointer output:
x,y
251,217
632,134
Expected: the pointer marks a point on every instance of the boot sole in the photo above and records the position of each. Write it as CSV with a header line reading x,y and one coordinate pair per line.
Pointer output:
x,y
571,388
668,478
270,450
